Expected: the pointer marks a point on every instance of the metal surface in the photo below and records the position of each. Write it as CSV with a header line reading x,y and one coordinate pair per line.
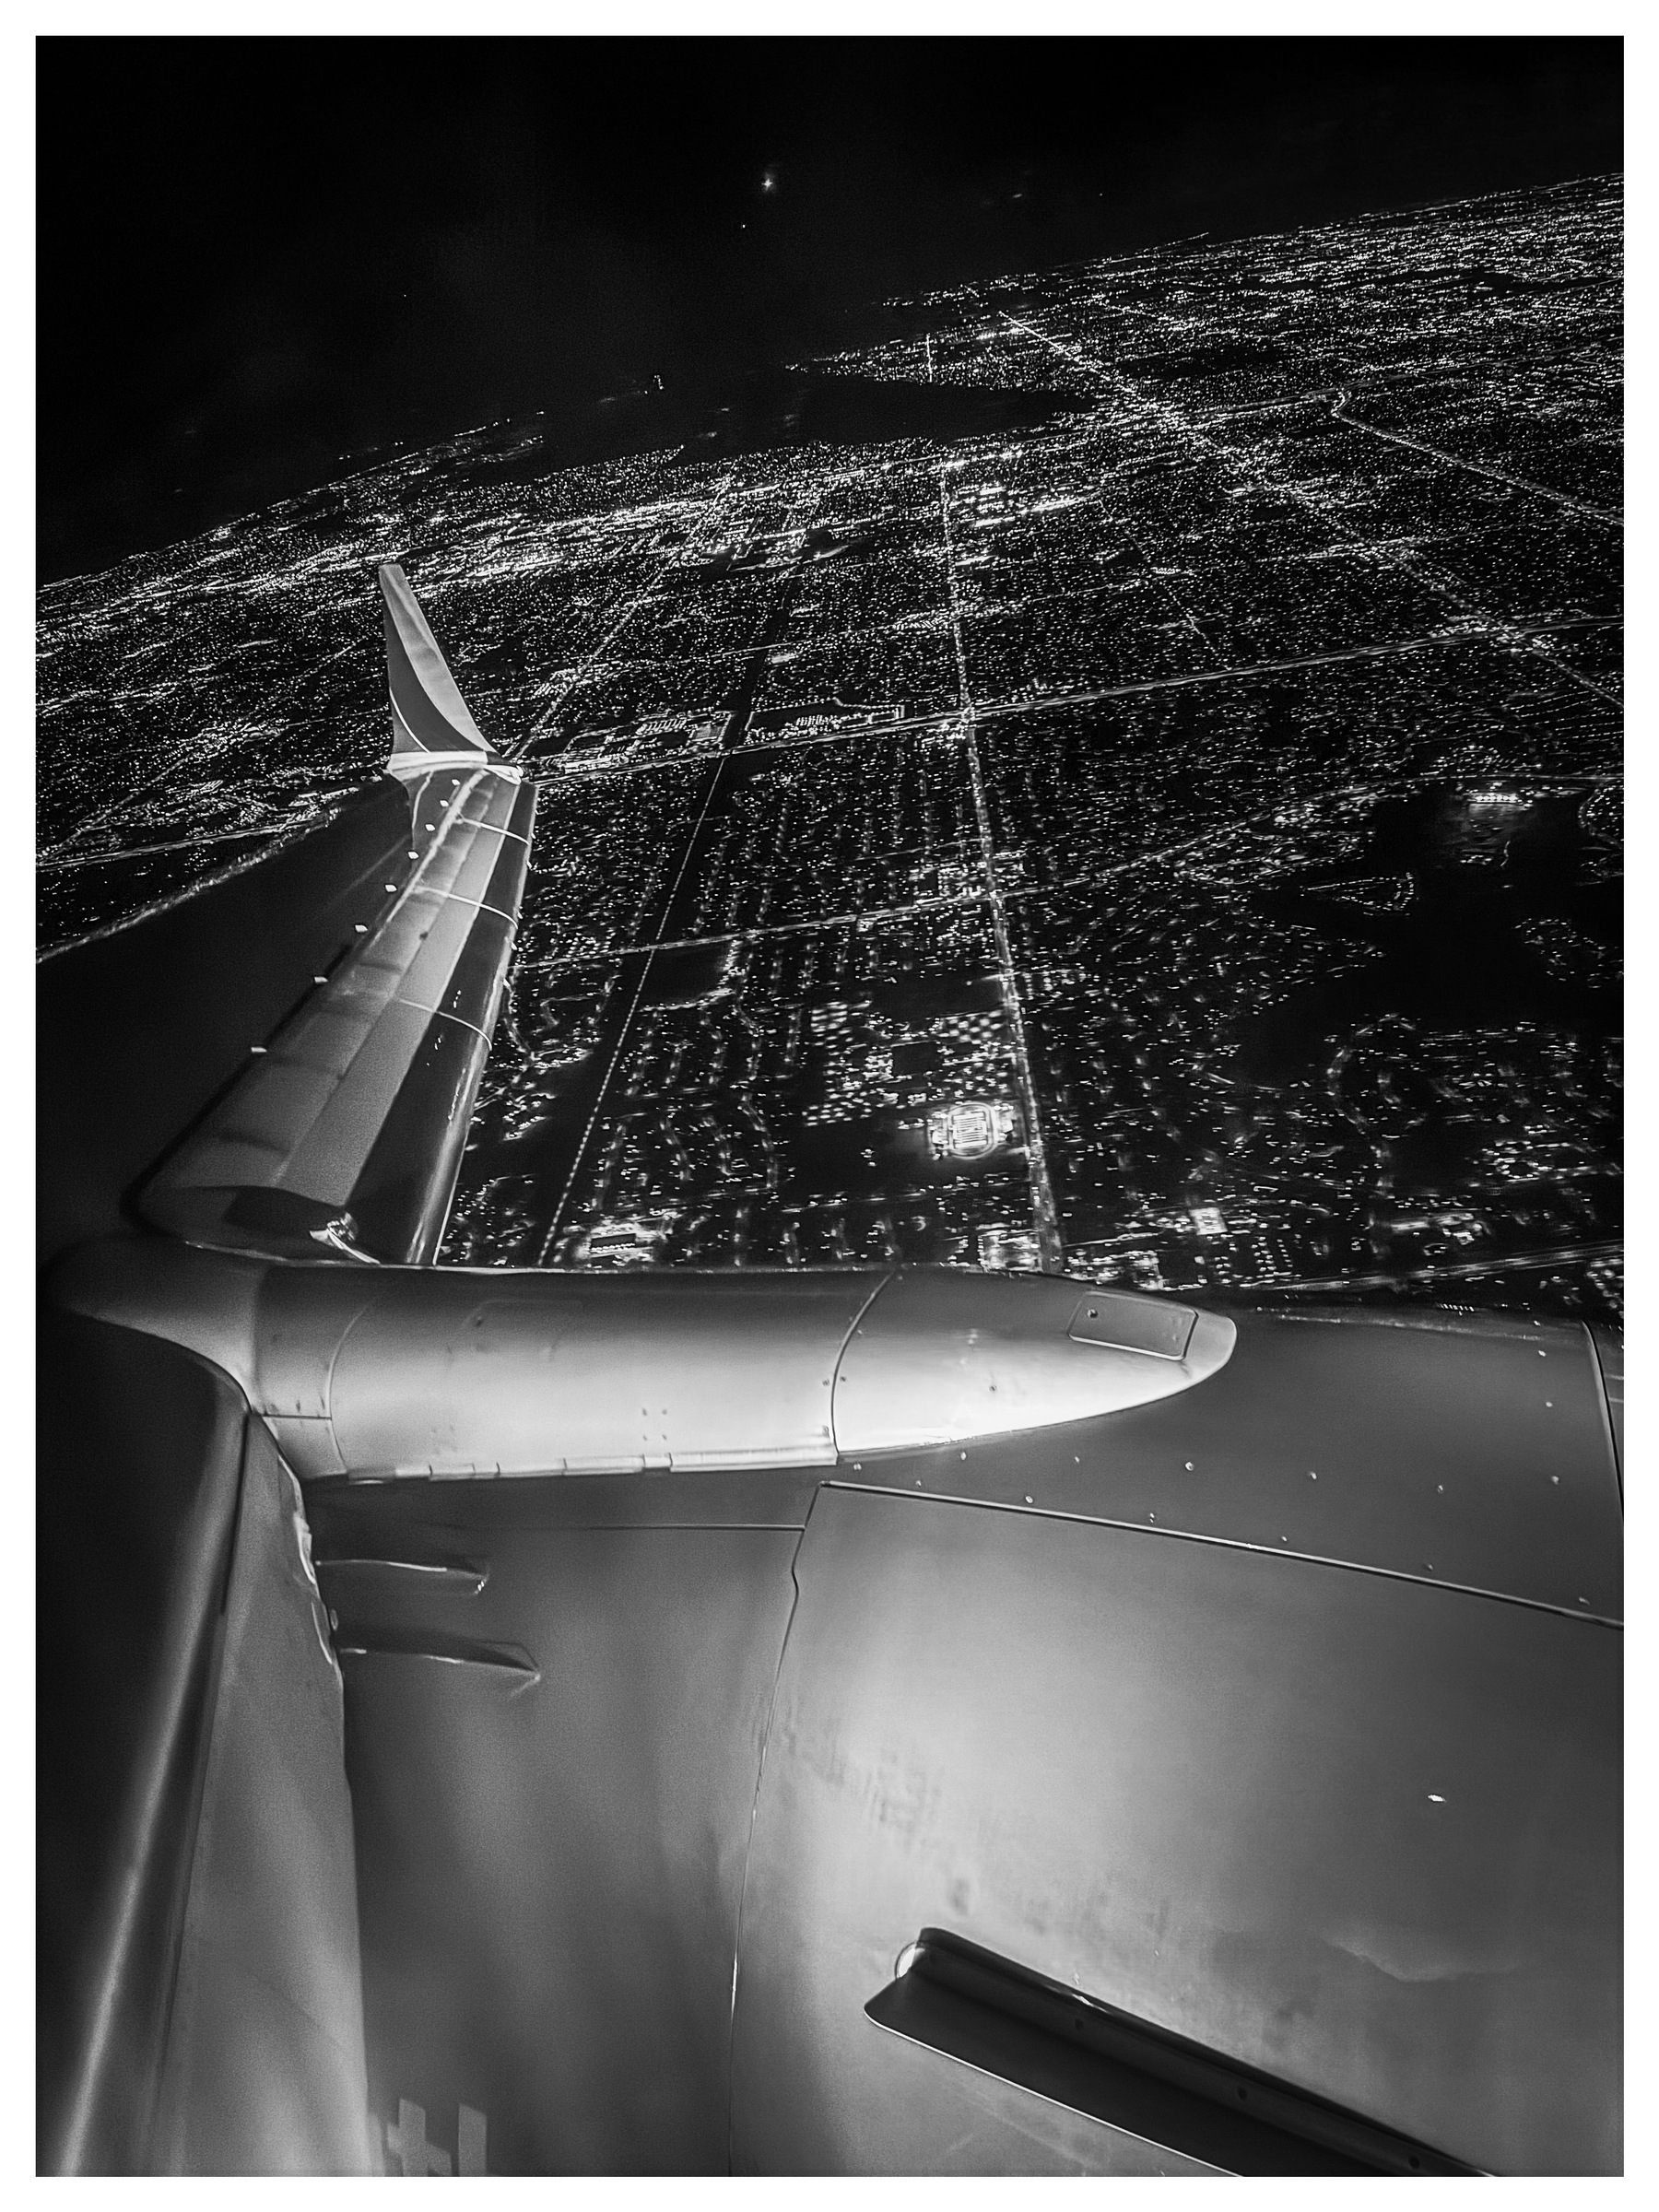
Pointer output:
x,y
550,1873
1127,1322
428,715
1133,1642
432,1522
490,1371
199,1991
263,2068
486,1371
304,1147
346,1125
1063,2045
131,1642
1360,1834
521,1371
1454,1455
138,1031
1475,1455
944,1355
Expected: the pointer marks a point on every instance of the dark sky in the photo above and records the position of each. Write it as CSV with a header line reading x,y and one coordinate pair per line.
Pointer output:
x,y
258,254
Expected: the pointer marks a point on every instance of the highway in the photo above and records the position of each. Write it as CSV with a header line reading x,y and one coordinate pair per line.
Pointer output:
x,y
1385,556
1454,1271
1476,468
1043,701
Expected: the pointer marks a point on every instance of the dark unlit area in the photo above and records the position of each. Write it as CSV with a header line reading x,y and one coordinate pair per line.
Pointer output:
x,y
294,291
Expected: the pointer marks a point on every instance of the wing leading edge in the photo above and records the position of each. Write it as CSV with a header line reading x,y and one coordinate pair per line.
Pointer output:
x,y
346,1130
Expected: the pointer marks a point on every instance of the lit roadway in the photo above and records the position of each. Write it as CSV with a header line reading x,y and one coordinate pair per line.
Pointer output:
x,y
621,1032
1445,1271
873,917
1490,632
1045,1216
1171,418
677,555
1478,468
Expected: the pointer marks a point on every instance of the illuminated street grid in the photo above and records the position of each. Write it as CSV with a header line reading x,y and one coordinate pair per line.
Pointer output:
x,y
1175,835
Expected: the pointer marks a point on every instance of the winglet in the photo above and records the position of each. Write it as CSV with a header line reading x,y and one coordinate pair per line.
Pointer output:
x,y
428,715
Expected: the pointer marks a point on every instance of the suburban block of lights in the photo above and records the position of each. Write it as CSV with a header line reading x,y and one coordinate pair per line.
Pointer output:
x,y
1143,798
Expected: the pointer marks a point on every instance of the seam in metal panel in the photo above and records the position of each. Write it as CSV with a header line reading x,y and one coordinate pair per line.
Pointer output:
x,y
439,1013
842,1349
1603,1401
1265,1551
370,1305
482,905
319,1421
451,811
795,1607
639,1528
495,830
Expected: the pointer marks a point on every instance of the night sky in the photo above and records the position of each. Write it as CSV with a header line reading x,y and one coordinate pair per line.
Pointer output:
x,y
257,256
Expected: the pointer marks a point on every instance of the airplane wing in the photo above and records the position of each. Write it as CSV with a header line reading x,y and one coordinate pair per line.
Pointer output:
x,y
899,1720
321,1105
282,1064
347,1127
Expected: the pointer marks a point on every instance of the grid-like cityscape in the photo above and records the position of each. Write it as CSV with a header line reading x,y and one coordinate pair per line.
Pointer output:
x,y
1122,775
